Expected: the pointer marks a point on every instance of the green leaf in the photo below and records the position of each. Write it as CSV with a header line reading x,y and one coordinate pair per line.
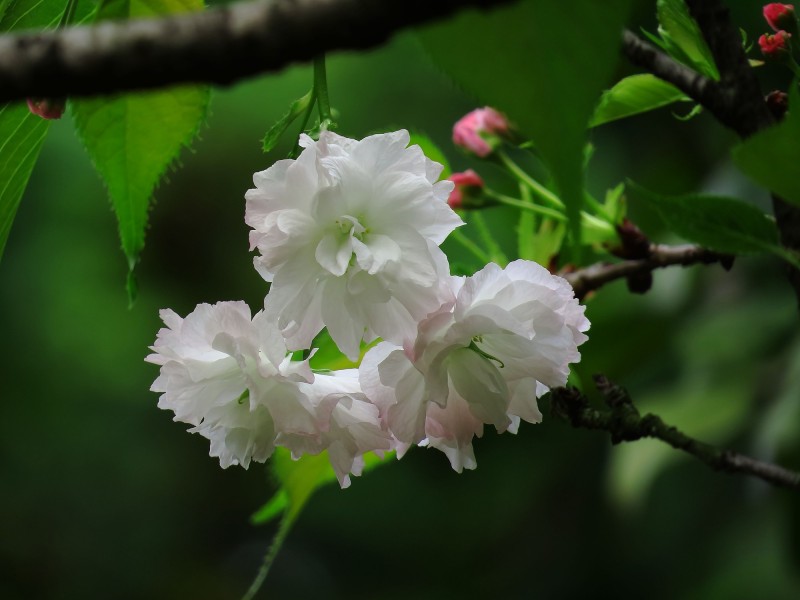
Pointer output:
x,y
133,139
771,156
296,108
634,95
21,138
432,151
682,37
615,204
718,223
299,479
546,78
21,133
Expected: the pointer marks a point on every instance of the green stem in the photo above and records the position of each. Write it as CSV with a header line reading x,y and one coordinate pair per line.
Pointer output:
x,y
526,226
527,206
283,530
467,243
536,187
496,255
321,89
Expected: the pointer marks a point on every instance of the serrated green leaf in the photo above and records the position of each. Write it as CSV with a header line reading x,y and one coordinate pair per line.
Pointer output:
x,y
771,156
718,223
634,95
22,133
133,139
432,151
21,138
519,60
296,108
683,38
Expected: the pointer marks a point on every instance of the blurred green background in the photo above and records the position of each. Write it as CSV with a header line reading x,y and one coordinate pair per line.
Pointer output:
x,y
103,496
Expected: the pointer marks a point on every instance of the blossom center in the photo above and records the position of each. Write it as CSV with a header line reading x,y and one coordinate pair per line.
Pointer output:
x,y
351,227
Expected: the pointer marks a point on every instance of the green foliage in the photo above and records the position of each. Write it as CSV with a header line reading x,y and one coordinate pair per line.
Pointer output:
x,y
634,95
22,133
682,38
771,156
299,479
718,223
536,84
133,139
296,108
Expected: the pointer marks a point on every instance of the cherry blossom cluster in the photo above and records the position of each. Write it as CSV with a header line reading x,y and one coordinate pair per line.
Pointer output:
x,y
348,236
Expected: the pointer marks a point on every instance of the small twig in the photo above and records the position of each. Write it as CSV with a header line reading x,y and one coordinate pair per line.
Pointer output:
x,y
625,424
659,256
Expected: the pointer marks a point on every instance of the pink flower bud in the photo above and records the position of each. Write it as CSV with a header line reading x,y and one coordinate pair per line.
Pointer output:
x,y
775,46
780,16
47,108
480,131
468,186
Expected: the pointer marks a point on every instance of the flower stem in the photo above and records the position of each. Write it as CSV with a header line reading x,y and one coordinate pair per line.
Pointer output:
x,y
525,226
526,206
496,255
536,187
283,530
471,246
321,89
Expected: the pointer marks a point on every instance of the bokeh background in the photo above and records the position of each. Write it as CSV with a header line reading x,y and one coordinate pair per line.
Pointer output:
x,y
103,496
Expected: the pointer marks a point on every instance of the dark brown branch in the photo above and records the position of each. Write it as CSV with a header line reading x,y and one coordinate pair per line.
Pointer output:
x,y
625,424
659,256
218,46
736,100
700,88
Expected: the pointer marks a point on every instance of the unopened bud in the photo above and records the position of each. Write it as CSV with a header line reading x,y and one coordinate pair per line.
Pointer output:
x,y
481,131
777,103
781,17
469,186
775,47
47,108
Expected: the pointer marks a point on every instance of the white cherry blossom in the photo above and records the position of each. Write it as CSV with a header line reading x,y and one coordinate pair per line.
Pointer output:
x,y
485,358
348,236
230,377
352,424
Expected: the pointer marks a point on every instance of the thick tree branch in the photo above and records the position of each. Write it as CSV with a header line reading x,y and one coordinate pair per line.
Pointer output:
x,y
218,46
625,424
659,256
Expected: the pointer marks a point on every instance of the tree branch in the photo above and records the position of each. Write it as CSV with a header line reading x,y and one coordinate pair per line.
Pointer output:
x,y
659,256
625,424
707,92
218,46
736,101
